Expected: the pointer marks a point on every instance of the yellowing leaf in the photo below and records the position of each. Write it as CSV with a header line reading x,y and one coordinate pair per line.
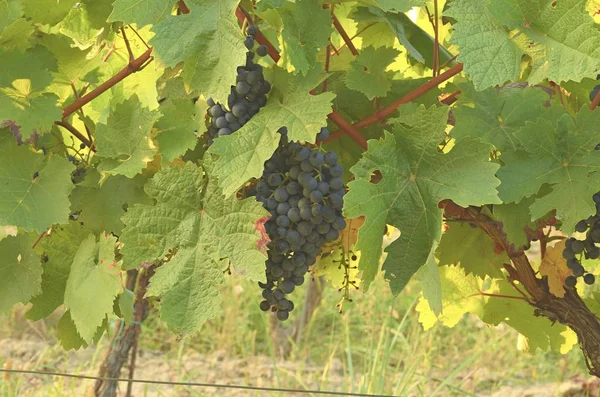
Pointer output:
x,y
554,266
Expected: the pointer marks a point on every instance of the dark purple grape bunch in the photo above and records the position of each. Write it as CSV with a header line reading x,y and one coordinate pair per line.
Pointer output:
x,y
302,188
247,96
575,250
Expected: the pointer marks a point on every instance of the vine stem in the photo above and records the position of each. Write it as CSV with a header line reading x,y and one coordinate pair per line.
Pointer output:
x,y
132,67
182,7
596,101
414,94
69,127
342,32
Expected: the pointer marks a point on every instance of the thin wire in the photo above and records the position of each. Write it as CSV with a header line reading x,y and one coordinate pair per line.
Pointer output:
x,y
216,385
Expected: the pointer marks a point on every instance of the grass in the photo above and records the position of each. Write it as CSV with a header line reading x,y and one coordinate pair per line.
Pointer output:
x,y
376,346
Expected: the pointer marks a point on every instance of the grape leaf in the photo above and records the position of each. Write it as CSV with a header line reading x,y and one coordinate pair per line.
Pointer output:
x,y
140,12
20,270
93,269
431,285
101,206
10,11
16,35
494,115
125,141
47,12
554,266
515,218
35,188
563,157
472,249
242,155
460,295
86,23
206,230
60,248
539,332
23,78
559,37
209,42
179,127
395,5
416,176
367,72
306,30
68,336
418,43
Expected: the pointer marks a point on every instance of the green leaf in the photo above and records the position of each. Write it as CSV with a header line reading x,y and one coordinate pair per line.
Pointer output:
x,y
539,332
68,336
416,176
126,303
306,30
141,13
460,295
32,202
10,11
242,155
492,37
495,116
394,5
431,284
93,269
86,23
16,35
207,231
418,43
516,219
47,12
179,127
20,270
367,72
472,249
60,248
101,206
209,42
125,141
563,157
23,78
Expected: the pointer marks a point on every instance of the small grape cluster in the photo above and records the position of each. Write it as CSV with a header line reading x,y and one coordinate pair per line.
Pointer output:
x,y
587,248
303,190
247,96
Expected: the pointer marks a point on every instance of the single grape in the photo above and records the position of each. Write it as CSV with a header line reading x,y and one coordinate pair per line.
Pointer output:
x,y
316,159
323,134
581,226
262,50
265,306
589,279
283,208
336,171
568,254
302,154
323,187
304,228
239,109
316,196
287,286
281,194
274,180
282,315
224,131
578,271
335,201
570,281
216,111
294,215
306,213
331,158
249,42
221,122
278,294
252,30
283,221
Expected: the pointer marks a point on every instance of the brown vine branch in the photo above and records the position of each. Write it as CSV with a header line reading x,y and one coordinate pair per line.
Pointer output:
x,y
342,32
569,310
183,8
132,67
596,101
450,98
348,129
414,94
69,127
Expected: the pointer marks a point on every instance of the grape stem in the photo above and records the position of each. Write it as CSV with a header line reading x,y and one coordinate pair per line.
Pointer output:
x,y
596,101
69,127
132,67
342,32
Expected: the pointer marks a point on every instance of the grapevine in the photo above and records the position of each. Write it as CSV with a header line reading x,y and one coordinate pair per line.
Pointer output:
x,y
195,136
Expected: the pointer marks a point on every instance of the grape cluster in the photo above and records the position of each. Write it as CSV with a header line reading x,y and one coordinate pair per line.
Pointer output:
x,y
303,190
576,249
247,96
